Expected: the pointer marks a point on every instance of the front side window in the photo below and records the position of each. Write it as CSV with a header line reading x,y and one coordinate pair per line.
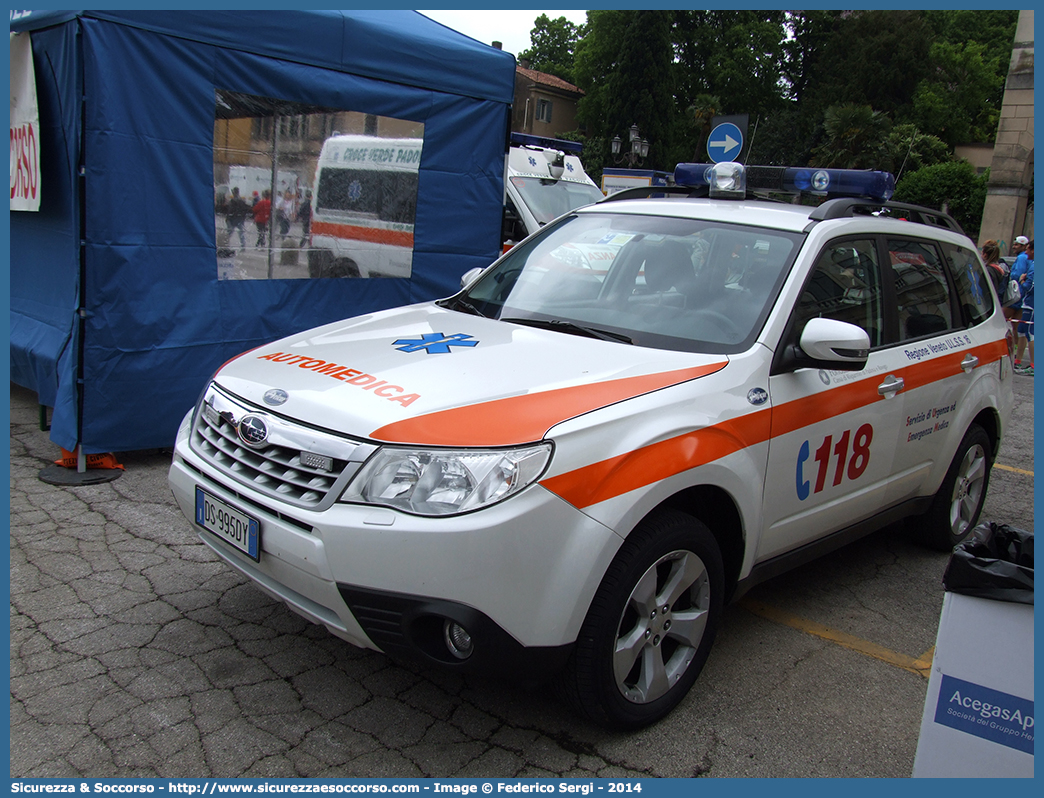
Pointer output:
x,y
661,282
922,291
846,285
302,191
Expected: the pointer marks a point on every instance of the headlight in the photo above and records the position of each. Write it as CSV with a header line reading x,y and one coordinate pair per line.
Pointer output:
x,y
445,482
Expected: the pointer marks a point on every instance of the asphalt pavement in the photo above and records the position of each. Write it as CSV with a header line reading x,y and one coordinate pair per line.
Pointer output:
x,y
136,653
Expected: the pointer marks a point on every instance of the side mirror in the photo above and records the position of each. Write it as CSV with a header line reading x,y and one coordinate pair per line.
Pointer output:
x,y
833,344
825,344
470,276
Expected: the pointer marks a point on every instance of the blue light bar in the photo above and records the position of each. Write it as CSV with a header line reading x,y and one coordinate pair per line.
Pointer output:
x,y
791,179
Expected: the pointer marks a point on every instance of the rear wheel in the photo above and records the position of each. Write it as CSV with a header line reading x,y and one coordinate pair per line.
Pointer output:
x,y
651,624
344,267
957,504
318,263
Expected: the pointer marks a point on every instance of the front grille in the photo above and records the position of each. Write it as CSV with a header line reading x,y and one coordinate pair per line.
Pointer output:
x,y
275,468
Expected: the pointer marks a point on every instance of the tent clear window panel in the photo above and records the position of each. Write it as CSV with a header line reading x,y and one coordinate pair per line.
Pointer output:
x,y
305,192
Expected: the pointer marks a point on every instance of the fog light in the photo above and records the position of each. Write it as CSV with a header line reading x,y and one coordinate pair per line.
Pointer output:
x,y
458,641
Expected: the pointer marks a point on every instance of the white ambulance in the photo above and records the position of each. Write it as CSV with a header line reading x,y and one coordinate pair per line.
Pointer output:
x,y
363,206
569,471
544,180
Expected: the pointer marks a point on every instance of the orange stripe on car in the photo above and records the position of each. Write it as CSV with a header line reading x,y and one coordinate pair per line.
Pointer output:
x,y
374,235
526,418
610,478
618,475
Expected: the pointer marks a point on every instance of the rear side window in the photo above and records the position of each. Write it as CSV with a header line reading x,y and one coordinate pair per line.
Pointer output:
x,y
390,196
972,289
922,291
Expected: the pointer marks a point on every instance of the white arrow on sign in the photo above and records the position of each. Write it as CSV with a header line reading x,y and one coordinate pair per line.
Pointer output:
x,y
727,146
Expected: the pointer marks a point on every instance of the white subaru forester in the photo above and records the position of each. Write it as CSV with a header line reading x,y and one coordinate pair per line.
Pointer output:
x,y
571,465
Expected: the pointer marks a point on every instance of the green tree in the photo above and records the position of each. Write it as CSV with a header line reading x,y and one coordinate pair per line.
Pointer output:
x,y
875,58
854,137
776,139
907,149
802,62
734,55
552,46
645,67
624,64
595,66
702,112
993,29
953,187
960,100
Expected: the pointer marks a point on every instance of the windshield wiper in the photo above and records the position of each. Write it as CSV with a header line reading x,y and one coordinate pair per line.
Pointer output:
x,y
456,303
572,328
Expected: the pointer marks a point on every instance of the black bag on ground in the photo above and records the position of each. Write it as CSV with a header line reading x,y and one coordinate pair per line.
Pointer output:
x,y
996,562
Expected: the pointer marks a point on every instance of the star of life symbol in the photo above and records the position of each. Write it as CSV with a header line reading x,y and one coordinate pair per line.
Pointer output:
x,y
532,161
354,190
434,343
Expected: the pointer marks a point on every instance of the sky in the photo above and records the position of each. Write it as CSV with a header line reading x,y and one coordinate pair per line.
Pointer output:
x,y
510,27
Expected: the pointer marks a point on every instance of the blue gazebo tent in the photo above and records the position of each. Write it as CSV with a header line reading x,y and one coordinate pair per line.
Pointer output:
x,y
117,313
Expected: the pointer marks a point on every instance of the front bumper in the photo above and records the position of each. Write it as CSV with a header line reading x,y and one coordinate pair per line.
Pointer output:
x,y
519,575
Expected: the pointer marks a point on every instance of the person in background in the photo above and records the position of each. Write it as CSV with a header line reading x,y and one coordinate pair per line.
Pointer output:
x,y
262,215
999,275
1018,249
235,215
1022,271
285,212
304,216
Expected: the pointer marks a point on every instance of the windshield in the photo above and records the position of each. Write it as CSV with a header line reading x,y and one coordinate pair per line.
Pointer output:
x,y
663,282
548,199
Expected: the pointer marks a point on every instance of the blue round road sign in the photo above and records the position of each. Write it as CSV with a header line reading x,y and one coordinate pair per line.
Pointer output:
x,y
725,143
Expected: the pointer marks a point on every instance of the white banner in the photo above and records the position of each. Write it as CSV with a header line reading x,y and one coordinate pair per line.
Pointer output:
x,y
25,127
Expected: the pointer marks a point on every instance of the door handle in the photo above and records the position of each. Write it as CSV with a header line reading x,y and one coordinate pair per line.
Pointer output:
x,y
970,362
891,386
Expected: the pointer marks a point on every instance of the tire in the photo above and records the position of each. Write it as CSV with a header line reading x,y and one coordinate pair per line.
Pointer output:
x,y
318,263
343,267
957,504
651,624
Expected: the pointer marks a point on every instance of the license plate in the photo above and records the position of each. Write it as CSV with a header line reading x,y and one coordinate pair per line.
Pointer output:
x,y
235,528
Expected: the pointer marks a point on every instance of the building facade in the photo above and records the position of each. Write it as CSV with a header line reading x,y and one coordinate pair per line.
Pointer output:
x,y
545,105
1008,213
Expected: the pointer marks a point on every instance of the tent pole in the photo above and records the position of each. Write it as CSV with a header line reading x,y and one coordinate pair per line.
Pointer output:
x,y
81,311
275,200
58,474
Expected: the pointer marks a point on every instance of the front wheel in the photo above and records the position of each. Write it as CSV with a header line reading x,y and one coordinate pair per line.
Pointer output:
x,y
958,502
651,624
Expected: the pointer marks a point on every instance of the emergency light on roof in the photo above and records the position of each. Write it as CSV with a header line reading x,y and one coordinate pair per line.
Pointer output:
x,y
529,140
726,180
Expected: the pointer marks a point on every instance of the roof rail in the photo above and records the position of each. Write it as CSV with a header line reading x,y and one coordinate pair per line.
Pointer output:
x,y
845,207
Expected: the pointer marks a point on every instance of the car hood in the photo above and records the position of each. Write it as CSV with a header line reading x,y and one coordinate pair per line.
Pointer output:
x,y
430,376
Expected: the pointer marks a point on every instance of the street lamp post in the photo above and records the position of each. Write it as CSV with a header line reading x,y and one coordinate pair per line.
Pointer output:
x,y
639,148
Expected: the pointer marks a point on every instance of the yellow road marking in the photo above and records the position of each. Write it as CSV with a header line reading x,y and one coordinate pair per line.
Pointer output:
x,y
921,665
1012,468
